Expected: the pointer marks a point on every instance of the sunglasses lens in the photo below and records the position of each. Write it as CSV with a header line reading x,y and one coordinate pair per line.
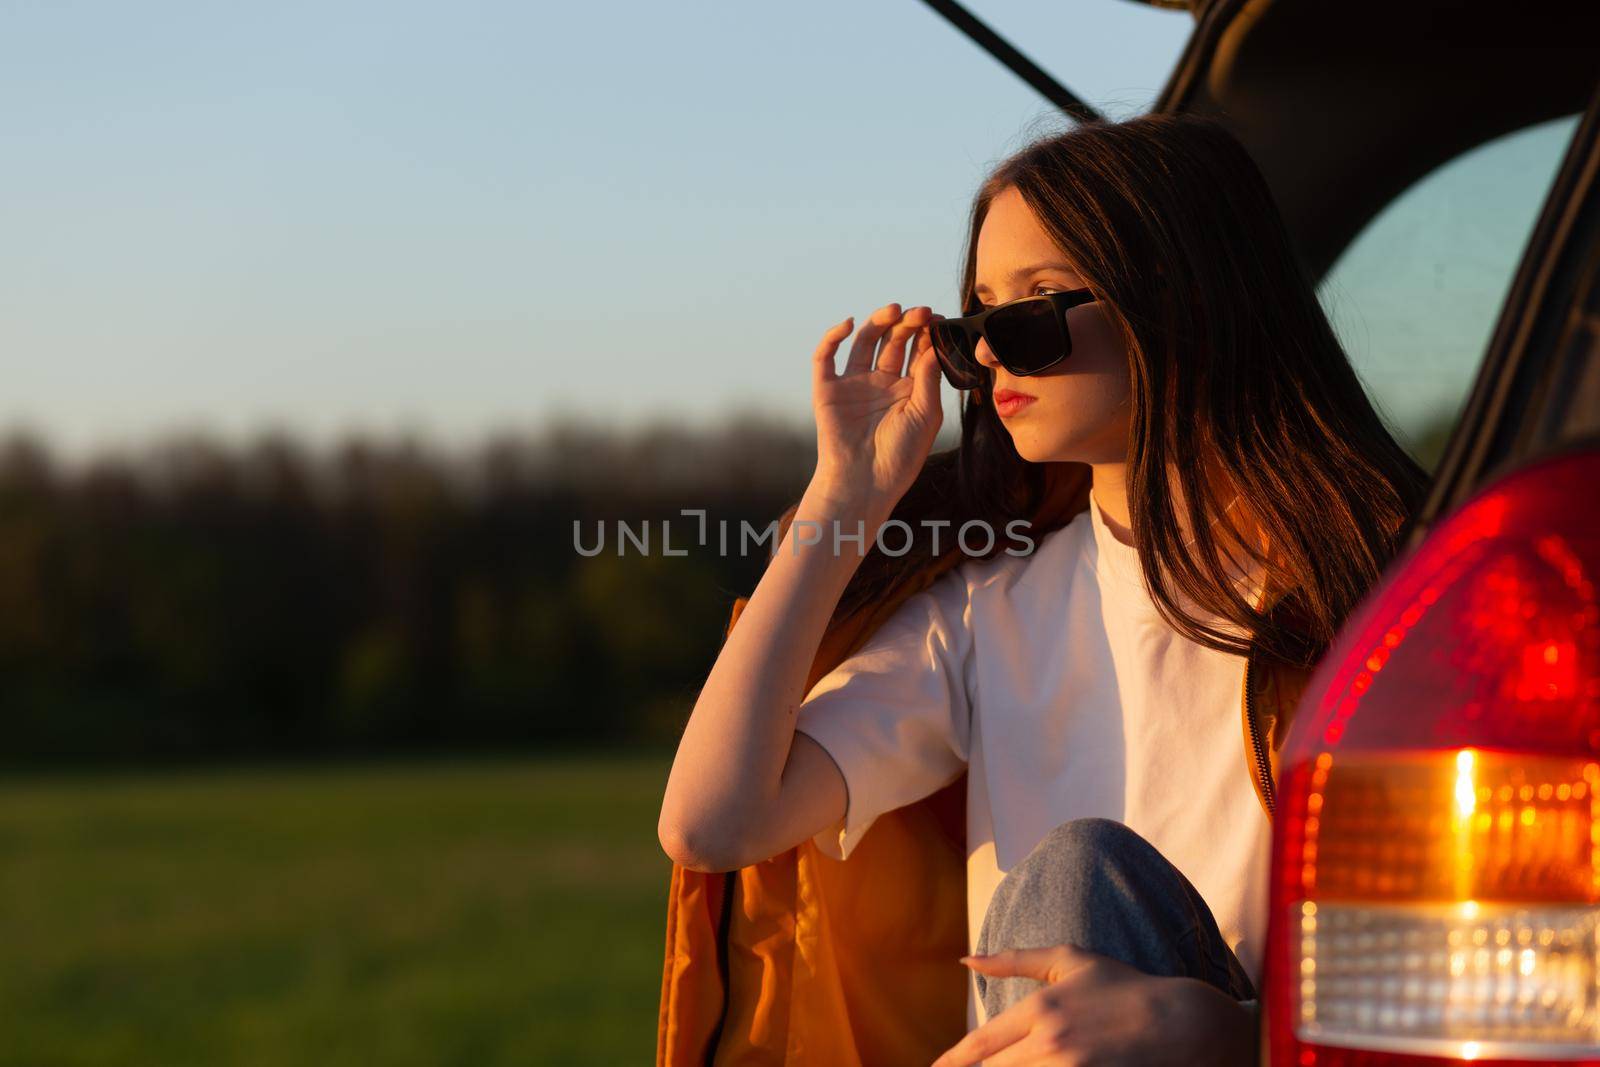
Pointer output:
x,y
956,356
1027,336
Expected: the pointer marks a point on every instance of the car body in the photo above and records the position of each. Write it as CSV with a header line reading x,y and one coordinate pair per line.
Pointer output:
x,y
1436,855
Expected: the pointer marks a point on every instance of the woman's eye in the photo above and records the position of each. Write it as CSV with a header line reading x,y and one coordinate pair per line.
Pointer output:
x,y
1034,292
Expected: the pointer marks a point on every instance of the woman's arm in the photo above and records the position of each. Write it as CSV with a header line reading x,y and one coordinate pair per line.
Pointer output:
x,y
744,786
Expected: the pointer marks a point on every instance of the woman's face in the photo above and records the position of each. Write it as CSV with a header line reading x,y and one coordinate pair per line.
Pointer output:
x,y
1081,405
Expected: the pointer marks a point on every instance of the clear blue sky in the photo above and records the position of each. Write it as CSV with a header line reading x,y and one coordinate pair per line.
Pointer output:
x,y
456,218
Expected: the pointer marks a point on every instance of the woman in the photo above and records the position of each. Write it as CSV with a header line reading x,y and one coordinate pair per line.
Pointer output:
x,y
1241,497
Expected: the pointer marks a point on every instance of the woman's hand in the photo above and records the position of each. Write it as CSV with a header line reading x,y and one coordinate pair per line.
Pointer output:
x,y
1097,1010
875,426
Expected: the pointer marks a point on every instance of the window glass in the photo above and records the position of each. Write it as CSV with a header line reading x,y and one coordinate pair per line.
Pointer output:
x,y
1416,295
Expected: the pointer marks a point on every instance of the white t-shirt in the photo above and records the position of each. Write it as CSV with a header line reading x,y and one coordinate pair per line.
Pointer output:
x,y
1054,681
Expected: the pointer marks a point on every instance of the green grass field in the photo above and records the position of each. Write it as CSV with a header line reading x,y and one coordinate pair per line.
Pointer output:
x,y
478,914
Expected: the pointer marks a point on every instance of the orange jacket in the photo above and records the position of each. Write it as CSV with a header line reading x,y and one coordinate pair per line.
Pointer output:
x,y
804,960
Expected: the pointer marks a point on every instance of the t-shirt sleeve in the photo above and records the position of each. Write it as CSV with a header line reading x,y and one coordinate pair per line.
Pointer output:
x,y
895,715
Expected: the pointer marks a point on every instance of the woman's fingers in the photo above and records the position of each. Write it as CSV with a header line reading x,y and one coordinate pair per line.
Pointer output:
x,y
1032,1050
880,344
892,352
1049,964
822,359
926,376
864,349
1002,1031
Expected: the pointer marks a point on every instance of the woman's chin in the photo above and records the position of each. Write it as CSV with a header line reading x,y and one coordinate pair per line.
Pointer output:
x,y
1030,448
1049,441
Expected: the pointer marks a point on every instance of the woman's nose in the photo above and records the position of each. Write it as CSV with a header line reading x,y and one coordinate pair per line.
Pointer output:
x,y
984,355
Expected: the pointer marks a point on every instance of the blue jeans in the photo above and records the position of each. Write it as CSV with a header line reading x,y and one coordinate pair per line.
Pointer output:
x,y
1098,885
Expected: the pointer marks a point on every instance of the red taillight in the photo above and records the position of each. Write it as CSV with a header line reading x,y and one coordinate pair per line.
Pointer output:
x,y
1436,852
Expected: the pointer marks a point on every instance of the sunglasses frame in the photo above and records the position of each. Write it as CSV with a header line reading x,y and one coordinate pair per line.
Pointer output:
x,y
975,327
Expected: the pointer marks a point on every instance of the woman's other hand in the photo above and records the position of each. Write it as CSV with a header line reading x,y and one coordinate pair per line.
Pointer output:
x,y
1094,1009
875,425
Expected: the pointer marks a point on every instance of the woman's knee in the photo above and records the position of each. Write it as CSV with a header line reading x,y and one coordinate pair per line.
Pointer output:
x,y
1069,875
1097,884
1091,847
1080,885
1090,836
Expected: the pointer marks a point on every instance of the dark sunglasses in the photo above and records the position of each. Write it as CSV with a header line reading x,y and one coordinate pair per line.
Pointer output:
x,y
1026,336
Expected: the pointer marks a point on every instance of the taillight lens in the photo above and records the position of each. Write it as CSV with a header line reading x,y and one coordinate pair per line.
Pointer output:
x,y
1436,853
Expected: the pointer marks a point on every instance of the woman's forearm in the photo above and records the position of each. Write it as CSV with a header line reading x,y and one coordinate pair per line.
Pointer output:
x,y
724,786
735,796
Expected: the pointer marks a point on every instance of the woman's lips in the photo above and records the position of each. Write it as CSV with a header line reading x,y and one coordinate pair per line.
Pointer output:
x,y
1009,401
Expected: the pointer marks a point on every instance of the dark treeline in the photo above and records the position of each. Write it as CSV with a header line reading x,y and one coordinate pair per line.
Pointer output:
x,y
199,600
195,600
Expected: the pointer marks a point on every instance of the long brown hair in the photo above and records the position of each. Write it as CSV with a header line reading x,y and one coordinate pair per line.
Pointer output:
x,y
1233,362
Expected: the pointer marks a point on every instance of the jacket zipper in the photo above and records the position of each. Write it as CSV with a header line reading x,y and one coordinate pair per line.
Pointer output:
x,y
1257,748
724,928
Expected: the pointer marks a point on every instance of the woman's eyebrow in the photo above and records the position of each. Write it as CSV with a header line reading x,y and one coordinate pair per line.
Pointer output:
x,y
1023,272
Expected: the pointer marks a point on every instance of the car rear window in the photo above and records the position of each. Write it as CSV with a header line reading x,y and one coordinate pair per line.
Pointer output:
x,y
1415,296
